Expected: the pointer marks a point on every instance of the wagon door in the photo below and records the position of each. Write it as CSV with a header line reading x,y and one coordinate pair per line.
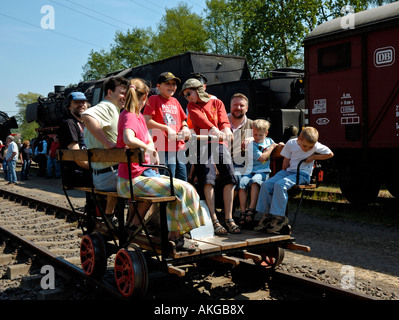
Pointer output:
x,y
383,102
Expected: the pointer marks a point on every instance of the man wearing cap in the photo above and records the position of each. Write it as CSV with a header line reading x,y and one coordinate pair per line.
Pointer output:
x,y
209,117
11,158
101,132
71,137
167,121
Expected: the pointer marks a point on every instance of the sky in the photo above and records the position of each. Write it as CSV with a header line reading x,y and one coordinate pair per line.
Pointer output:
x,y
47,42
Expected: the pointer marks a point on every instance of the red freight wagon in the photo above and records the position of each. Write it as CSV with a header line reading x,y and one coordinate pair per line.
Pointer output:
x,y
352,97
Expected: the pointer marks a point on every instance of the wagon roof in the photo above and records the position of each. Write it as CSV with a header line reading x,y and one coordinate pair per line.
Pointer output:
x,y
384,14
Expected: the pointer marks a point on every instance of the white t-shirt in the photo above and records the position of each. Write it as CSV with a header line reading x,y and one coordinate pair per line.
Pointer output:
x,y
12,147
293,151
107,114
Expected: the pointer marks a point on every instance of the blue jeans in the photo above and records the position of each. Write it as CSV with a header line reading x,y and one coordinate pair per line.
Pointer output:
x,y
25,169
52,162
273,194
11,174
172,161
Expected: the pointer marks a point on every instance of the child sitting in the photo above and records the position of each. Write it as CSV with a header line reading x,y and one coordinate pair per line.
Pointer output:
x,y
273,196
257,171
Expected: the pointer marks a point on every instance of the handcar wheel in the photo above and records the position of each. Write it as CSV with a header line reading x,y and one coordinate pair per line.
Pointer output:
x,y
131,273
272,257
93,255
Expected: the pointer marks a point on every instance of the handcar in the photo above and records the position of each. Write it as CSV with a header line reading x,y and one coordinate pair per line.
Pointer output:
x,y
138,253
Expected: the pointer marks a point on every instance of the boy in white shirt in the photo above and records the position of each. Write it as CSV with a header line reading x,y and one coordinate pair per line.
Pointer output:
x,y
273,195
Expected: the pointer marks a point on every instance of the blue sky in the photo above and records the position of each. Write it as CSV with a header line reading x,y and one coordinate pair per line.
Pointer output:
x,y
35,59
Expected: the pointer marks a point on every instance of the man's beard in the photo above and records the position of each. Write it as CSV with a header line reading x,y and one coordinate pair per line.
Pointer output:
x,y
240,116
77,113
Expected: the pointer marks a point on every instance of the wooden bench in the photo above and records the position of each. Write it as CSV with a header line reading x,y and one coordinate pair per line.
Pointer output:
x,y
112,155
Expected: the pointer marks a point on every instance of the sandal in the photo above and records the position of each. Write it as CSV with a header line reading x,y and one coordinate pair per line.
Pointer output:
x,y
243,217
218,228
184,244
233,228
250,213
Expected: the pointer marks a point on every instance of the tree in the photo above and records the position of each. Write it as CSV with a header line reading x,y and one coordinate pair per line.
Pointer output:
x,y
27,130
180,31
224,27
128,50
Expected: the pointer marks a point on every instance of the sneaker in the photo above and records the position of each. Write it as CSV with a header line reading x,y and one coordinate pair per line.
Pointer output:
x,y
264,222
277,224
113,219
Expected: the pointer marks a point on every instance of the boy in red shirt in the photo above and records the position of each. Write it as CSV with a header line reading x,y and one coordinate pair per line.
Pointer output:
x,y
209,117
167,120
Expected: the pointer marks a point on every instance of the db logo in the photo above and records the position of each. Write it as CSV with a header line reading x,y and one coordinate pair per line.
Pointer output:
x,y
322,121
384,57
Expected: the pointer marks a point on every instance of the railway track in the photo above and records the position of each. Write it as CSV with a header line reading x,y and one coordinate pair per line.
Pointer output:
x,y
48,235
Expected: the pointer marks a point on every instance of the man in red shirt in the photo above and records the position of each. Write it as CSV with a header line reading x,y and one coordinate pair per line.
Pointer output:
x,y
167,121
52,159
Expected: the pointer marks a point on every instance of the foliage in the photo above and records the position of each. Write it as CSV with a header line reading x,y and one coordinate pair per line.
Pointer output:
x,y
27,130
178,32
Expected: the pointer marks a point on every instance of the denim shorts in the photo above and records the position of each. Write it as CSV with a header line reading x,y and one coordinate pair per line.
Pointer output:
x,y
248,179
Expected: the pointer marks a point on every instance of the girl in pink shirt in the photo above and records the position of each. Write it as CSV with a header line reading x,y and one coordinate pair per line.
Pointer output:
x,y
183,214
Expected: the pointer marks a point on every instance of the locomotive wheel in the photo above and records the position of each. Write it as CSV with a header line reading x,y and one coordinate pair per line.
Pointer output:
x,y
131,274
359,184
93,255
272,257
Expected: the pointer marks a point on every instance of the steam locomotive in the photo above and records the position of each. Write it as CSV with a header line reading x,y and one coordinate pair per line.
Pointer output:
x,y
6,124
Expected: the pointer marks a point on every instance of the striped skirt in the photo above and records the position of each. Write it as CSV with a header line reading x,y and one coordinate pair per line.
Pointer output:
x,y
183,214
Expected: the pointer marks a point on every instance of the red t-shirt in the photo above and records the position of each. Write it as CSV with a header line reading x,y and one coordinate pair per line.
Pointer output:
x,y
170,113
130,120
208,115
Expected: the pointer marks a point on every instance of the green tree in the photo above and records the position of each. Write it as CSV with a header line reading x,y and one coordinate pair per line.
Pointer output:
x,y
224,27
27,130
180,31
128,50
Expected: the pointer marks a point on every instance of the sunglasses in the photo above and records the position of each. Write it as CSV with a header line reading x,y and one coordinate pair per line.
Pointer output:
x,y
186,95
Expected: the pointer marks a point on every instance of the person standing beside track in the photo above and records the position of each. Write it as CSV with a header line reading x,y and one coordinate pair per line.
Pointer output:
x,y
101,131
11,158
184,213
